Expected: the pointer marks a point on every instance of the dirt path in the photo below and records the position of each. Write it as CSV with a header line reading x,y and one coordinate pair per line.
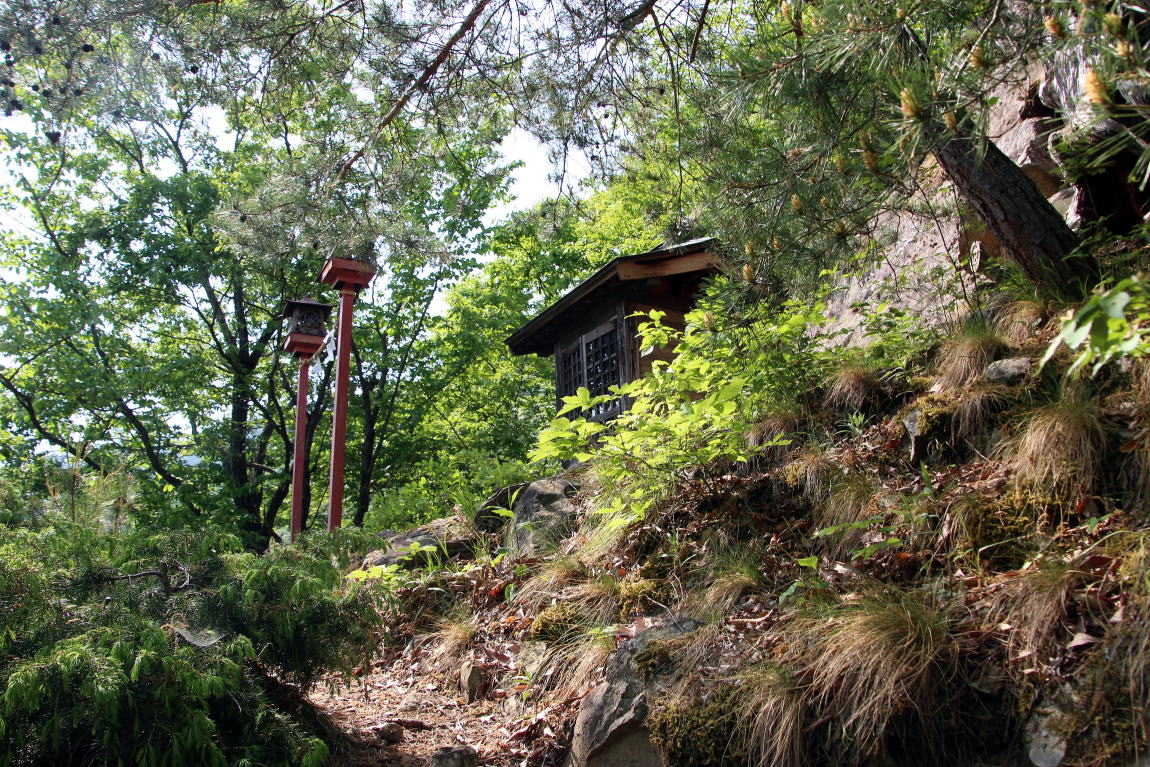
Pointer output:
x,y
402,714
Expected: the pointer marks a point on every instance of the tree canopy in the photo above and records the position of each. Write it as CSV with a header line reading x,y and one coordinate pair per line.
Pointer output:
x,y
177,170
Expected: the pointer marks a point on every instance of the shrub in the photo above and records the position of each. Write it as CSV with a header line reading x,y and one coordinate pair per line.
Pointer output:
x,y
300,615
691,418
173,651
443,484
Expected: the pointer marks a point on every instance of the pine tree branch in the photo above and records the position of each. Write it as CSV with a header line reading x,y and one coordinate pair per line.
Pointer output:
x,y
420,82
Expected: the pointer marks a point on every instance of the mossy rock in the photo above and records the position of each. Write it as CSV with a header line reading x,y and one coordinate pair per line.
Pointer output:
x,y
662,657
639,597
699,734
934,414
998,531
557,623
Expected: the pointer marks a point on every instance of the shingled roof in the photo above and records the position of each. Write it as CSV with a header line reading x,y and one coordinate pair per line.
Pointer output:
x,y
538,336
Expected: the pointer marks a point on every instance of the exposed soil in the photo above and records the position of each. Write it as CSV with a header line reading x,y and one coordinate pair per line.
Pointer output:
x,y
432,713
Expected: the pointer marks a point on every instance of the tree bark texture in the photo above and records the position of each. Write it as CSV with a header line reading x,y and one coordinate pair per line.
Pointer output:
x,y
1033,234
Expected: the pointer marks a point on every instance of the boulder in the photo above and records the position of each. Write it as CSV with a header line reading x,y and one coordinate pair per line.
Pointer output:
x,y
445,538
1134,91
488,521
544,515
1009,371
1045,742
610,730
913,422
454,756
389,732
532,655
473,681
1027,143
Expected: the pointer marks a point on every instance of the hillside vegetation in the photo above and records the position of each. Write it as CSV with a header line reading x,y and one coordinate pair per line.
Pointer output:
x,y
844,604
890,505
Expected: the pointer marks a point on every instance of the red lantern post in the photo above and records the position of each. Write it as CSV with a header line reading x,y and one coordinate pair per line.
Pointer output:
x,y
348,277
308,325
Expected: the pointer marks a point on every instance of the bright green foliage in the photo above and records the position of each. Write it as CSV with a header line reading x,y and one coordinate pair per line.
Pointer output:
x,y
695,413
302,619
1109,326
25,595
445,483
162,649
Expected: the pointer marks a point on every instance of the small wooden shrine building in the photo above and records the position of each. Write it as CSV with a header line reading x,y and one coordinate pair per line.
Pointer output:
x,y
588,331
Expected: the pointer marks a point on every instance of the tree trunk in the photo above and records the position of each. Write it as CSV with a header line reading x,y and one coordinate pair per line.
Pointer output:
x,y
314,416
1033,234
237,466
367,454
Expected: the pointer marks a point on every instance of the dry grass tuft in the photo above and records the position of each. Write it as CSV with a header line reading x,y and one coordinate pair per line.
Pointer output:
x,y
1020,321
597,598
702,646
975,410
598,537
771,717
1061,447
1034,604
966,355
569,666
1103,706
851,501
778,424
882,660
852,388
1127,645
553,576
733,571
812,472
1140,377
1135,473
451,639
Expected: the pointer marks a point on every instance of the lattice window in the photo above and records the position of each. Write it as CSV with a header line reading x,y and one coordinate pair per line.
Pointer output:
x,y
603,361
570,371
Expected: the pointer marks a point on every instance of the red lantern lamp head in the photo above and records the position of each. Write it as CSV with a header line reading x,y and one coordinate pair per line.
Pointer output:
x,y
307,326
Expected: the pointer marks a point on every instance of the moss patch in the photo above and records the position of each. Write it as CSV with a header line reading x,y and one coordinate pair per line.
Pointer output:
x,y
997,531
639,597
557,623
662,657
699,734
935,412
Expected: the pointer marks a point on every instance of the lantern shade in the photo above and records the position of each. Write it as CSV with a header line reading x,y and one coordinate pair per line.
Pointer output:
x,y
342,273
307,326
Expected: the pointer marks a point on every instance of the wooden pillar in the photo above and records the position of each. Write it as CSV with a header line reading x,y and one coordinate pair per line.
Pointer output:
x,y
299,456
347,276
305,338
339,414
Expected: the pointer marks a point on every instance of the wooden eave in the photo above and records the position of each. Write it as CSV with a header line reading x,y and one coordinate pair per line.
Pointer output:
x,y
538,335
